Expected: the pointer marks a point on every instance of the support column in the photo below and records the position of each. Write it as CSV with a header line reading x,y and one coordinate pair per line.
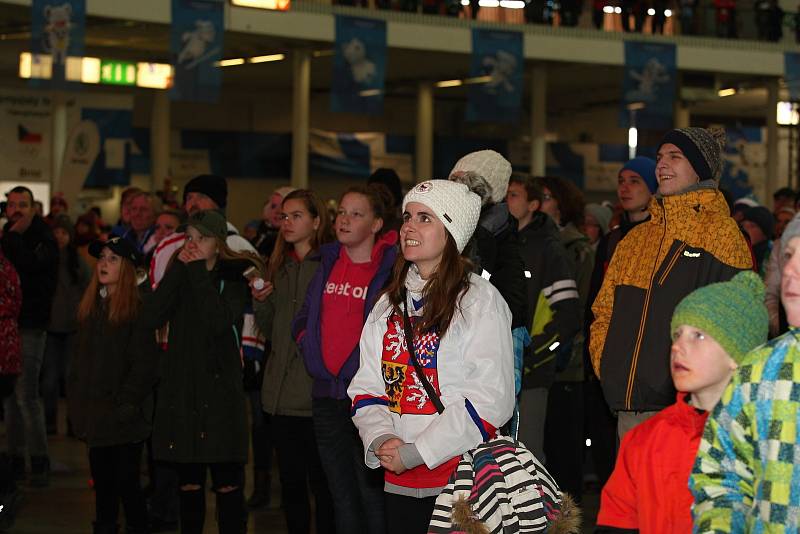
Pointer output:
x,y
59,143
160,137
301,101
772,138
424,159
538,119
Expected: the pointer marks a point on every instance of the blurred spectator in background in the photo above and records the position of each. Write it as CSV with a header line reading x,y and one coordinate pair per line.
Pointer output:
x,y
783,197
782,218
142,211
740,206
73,277
759,225
687,9
596,222
267,232
726,18
58,207
635,9
124,222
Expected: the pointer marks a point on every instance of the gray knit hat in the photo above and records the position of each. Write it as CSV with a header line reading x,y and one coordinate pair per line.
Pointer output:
x,y
792,230
702,147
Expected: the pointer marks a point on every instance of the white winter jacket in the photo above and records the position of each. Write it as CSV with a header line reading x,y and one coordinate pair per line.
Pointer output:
x,y
472,368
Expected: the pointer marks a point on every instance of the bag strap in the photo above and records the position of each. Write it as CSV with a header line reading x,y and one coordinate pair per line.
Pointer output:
x,y
412,354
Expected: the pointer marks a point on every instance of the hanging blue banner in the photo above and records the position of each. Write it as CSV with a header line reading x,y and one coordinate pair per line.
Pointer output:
x,y
791,74
359,66
196,44
495,91
649,86
58,28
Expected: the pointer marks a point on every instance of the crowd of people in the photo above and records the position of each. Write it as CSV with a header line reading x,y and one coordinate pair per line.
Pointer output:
x,y
369,347
768,18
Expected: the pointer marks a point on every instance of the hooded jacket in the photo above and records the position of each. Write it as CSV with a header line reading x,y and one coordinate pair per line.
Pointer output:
x,y
471,368
34,254
286,389
552,298
689,242
649,489
306,327
200,414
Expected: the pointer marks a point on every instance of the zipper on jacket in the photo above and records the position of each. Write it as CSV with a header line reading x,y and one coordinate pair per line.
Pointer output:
x,y
671,264
643,319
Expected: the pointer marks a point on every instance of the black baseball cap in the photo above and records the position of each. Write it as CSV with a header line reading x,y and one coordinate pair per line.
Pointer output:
x,y
119,246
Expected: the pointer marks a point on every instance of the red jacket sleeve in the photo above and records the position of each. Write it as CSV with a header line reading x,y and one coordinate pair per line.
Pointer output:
x,y
618,503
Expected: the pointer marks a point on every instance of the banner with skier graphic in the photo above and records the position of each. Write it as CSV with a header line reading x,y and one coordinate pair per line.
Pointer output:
x,y
196,43
648,91
359,66
58,29
495,86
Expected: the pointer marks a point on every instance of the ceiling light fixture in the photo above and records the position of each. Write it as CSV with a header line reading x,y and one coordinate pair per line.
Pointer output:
x,y
267,59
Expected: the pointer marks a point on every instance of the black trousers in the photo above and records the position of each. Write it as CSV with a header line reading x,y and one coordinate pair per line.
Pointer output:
x,y
115,471
564,442
300,467
408,515
231,516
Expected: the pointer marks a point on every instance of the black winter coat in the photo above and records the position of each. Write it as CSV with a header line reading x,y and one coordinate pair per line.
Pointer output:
x,y
111,380
200,415
34,255
495,249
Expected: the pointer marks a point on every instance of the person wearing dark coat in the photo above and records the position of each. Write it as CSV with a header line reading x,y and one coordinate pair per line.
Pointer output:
x,y
200,421
110,384
29,245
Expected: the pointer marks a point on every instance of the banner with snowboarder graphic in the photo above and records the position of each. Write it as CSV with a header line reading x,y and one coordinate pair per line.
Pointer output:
x,y
196,43
359,66
648,91
58,29
495,86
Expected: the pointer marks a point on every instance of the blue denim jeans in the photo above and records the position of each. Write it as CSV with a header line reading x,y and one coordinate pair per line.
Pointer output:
x,y
24,410
357,491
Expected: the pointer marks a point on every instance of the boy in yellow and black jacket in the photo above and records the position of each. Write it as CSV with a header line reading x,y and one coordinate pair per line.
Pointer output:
x,y
689,242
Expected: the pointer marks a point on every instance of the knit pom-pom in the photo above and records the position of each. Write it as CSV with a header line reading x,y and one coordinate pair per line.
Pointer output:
x,y
464,519
752,282
718,134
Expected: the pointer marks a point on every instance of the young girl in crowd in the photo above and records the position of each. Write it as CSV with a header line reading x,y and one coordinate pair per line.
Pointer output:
x,y
354,270
286,390
110,384
712,329
462,343
73,277
200,422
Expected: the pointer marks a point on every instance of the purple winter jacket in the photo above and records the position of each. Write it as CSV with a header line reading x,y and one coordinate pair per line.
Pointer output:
x,y
307,329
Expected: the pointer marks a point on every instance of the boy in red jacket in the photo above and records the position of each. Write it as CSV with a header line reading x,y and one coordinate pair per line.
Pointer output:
x,y
712,329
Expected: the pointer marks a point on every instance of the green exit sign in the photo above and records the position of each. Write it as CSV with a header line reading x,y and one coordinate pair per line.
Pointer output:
x,y
117,72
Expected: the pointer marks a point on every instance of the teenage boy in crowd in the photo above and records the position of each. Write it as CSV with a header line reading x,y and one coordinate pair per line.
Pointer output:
x,y
712,330
689,242
745,476
552,298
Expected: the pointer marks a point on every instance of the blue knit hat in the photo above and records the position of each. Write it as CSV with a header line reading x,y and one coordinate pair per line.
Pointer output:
x,y
646,168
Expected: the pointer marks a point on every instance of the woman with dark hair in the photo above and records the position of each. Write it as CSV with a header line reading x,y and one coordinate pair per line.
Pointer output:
x,y
354,270
200,419
73,277
564,440
461,329
111,383
286,389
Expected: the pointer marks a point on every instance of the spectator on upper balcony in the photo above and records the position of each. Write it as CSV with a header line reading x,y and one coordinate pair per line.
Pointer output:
x,y
726,18
570,12
687,15
659,16
635,9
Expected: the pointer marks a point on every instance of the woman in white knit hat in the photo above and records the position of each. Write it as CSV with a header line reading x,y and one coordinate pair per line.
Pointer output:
x,y
462,345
